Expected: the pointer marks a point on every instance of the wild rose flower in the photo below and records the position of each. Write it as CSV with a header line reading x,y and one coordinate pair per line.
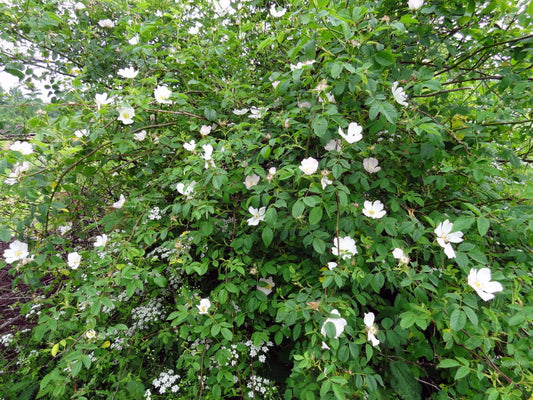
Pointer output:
x,y
325,181
106,23
344,247
81,133
374,209
338,322
399,254
204,306
445,236
101,240
399,94
415,4
101,99
25,148
309,166
241,111
480,281
141,135
258,215
190,146
371,328
275,13
186,190
208,156
251,180
120,202
331,265
16,172
79,6
125,115
162,95
205,130
134,40
256,113
271,172
300,65
267,285
17,251
73,260
90,334
333,144
128,73
371,165
354,133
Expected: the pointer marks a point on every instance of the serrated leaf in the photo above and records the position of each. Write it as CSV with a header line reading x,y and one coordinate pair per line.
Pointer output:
x,y
448,363
226,333
471,314
462,372
483,225
320,126
315,215
267,236
457,320
298,208
55,349
319,245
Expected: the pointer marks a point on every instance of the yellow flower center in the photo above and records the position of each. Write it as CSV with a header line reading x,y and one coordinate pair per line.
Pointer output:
x,y
477,284
126,115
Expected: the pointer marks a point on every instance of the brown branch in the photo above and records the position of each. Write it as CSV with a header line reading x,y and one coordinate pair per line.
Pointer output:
x,y
443,91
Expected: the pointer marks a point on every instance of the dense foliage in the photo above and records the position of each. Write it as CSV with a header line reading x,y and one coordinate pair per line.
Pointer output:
x,y
328,200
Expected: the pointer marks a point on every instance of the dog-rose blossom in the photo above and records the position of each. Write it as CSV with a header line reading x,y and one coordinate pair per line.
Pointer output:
x,y
17,251
445,237
190,146
125,115
258,215
106,23
338,322
344,247
73,260
25,148
128,73
101,99
415,4
354,133
141,135
204,306
275,13
374,209
251,180
162,95
186,190
480,281
371,328
120,202
309,165
101,240
371,165
400,255
399,94
266,286
205,130
208,156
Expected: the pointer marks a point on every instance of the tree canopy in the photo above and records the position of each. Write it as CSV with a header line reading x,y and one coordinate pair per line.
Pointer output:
x,y
280,200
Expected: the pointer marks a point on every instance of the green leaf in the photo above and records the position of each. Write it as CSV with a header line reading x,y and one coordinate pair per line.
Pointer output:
x,y
5,235
448,363
267,236
384,58
462,372
315,215
457,320
226,333
320,126
319,245
471,314
298,208
483,225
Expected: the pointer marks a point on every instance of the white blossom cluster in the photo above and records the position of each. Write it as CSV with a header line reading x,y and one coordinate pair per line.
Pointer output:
x,y
155,213
234,355
258,351
259,388
166,380
145,314
6,339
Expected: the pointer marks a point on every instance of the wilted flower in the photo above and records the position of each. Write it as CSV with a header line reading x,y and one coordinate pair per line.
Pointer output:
x,y
257,215
338,322
354,133
106,23
141,135
251,180
333,144
190,146
101,240
73,260
205,130
241,111
128,73
65,228
120,202
101,99
371,328
267,285
186,190
25,148
445,236
371,165
325,181
330,98
17,251
203,307
208,156
162,95
125,115
480,281
399,94
309,165
399,254
344,247
374,209
321,86
90,334
275,13
331,265
415,4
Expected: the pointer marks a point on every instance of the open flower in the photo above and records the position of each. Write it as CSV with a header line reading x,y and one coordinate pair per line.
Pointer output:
x,y
101,99
134,40
79,133
271,172
162,95
399,94
120,202
256,113
325,181
73,260
25,148
338,322
309,166
354,133
258,215
415,4
101,240
17,251
208,156
331,265
275,13
90,334
399,254
106,23
371,328
241,111
371,165
125,115
266,286
128,73
445,236
16,172
374,209
205,130
480,281
203,307
190,146
141,135
251,180
333,144
302,64
186,190
344,247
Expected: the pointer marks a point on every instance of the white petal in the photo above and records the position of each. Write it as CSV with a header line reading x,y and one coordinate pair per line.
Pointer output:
x,y
369,319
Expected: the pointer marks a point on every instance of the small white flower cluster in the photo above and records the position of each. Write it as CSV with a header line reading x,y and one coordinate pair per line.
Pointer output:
x,y
258,351
234,355
118,343
166,380
259,385
6,339
155,213
143,315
